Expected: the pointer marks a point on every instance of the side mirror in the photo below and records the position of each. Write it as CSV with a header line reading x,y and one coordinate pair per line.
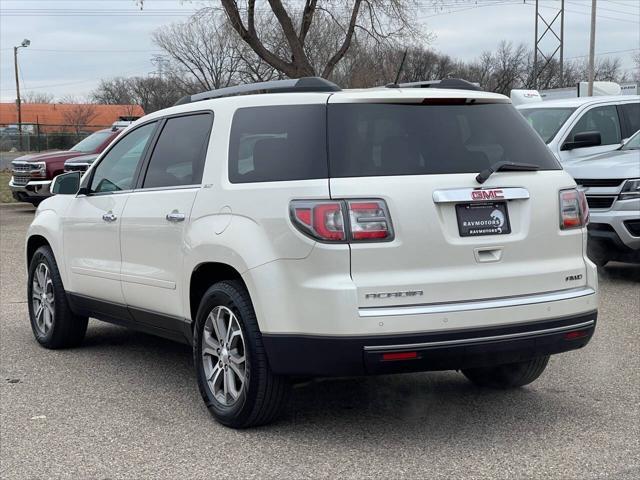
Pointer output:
x,y
66,184
582,140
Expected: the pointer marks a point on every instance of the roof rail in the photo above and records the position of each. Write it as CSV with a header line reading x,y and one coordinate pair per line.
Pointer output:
x,y
305,84
452,83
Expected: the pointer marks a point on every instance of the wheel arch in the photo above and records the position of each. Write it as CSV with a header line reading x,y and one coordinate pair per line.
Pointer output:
x,y
203,276
46,229
34,242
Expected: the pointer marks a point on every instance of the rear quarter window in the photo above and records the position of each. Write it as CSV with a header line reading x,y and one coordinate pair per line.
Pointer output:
x,y
631,113
278,143
403,139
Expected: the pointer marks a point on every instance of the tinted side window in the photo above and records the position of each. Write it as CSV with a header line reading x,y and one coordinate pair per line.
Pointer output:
x,y
600,119
179,155
631,112
117,169
278,143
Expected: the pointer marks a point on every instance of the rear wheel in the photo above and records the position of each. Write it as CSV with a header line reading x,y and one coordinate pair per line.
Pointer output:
x,y
511,375
53,323
233,373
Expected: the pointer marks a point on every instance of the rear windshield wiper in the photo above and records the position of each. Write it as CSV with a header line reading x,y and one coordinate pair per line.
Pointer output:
x,y
484,175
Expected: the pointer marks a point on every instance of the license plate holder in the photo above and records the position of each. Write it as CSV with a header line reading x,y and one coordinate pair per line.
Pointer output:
x,y
486,218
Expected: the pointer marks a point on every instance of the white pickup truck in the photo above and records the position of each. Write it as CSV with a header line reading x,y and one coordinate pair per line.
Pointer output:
x,y
580,127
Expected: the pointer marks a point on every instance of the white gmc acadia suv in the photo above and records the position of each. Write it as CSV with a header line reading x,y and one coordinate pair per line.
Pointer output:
x,y
314,232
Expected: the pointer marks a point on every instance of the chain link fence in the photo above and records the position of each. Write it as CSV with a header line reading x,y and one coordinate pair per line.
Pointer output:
x,y
40,138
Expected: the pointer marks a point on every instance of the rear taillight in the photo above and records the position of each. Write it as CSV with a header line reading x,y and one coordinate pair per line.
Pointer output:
x,y
574,210
368,220
319,219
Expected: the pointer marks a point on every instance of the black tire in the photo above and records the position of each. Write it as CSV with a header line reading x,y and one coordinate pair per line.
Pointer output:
x,y
35,203
597,254
263,394
510,375
66,329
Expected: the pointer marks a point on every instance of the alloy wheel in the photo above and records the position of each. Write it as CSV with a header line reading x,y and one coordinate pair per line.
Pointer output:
x,y
43,298
223,355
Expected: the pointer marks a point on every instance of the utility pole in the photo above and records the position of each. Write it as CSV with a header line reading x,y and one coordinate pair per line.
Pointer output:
x,y
592,48
25,43
18,102
555,26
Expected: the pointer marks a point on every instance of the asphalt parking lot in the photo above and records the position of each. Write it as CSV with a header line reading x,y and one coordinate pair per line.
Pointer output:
x,y
125,405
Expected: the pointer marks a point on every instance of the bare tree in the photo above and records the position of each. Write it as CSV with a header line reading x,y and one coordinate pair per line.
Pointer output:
x,y
204,48
78,114
381,20
116,91
37,97
151,93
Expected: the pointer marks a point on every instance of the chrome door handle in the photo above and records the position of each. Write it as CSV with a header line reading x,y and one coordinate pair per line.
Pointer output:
x,y
176,216
109,217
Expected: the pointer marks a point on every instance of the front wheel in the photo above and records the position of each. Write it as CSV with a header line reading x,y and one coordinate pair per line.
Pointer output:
x,y
53,323
234,377
511,375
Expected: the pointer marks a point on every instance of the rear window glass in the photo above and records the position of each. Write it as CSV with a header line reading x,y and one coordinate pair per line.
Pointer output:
x,y
401,139
278,143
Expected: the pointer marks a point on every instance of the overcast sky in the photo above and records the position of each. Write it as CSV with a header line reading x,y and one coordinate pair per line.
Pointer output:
x,y
74,43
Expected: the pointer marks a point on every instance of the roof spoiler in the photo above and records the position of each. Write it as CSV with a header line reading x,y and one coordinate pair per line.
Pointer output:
x,y
305,84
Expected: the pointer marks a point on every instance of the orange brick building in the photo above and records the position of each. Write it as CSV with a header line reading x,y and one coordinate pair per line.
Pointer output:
x,y
52,117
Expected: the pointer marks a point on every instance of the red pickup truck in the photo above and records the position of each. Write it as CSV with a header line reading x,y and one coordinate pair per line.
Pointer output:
x,y
32,174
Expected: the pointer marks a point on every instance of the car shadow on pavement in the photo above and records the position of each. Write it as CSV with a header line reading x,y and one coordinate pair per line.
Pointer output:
x,y
435,404
620,271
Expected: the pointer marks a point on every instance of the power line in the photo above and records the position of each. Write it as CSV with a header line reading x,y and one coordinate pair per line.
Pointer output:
x,y
605,9
94,51
585,13
79,82
605,53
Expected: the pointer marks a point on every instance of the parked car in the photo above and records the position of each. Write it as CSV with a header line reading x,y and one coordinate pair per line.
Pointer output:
x,y
81,163
611,182
312,231
32,174
580,127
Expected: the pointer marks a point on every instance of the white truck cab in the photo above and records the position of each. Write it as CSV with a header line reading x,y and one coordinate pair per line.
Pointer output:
x,y
601,123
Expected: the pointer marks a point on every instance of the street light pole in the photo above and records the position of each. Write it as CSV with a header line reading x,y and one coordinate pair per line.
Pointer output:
x,y
25,43
18,102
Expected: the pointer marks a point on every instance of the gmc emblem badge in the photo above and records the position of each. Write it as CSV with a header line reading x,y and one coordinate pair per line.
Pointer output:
x,y
487,194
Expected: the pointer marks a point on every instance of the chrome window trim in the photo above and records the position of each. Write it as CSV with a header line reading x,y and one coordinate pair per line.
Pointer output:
x,y
169,187
102,194
464,194
499,302
464,341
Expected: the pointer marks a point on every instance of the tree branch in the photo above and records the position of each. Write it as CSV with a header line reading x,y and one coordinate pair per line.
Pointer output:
x,y
333,61
307,18
248,34
299,58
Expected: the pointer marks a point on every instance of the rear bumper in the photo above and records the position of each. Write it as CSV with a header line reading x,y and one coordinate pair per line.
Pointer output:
x,y
445,350
620,219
